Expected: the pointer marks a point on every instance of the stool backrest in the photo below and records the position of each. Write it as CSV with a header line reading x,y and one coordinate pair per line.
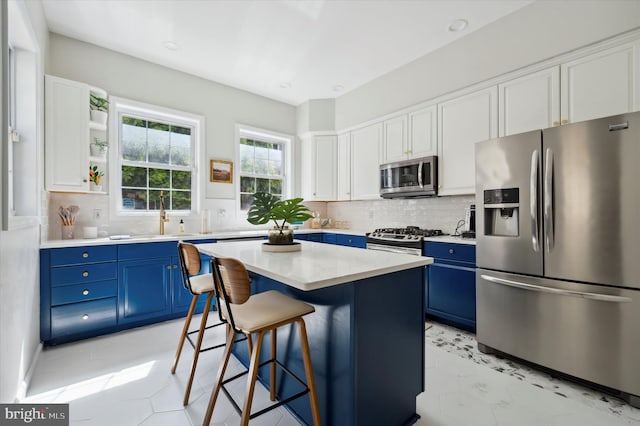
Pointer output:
x,y
234,280
190,263
232,285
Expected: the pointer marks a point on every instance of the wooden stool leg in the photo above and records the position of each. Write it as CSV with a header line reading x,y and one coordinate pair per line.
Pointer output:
x,y
196,352
304,342
251,379
231,337
185,330
272,372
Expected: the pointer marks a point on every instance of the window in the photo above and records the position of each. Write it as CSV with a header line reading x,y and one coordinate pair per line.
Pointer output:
x,y
263,162
156,154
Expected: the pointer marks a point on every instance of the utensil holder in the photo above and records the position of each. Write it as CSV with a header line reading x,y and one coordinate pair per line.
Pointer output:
x,y
67,232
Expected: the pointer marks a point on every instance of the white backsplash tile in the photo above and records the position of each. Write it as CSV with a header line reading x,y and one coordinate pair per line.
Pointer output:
x,y
429,213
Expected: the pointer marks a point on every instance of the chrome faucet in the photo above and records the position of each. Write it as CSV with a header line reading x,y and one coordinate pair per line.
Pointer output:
x,y
163,214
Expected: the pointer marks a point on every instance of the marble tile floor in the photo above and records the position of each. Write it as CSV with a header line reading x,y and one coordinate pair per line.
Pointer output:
x,y
124,379
467,387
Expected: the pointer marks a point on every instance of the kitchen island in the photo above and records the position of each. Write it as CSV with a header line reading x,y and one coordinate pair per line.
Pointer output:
x,y
366,335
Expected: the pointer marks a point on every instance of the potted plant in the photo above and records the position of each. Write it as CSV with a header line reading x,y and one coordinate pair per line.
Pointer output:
x,y
99,107
99,148
267,207
95,176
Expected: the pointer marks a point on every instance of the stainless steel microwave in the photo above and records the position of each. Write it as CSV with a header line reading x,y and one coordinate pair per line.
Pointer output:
x,y
409,178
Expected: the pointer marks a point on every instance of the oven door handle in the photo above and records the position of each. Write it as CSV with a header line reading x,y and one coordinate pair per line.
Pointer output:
x,y
559,291
388,249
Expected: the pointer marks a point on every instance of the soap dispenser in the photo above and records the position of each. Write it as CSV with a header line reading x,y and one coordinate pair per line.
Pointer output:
x,y
181,227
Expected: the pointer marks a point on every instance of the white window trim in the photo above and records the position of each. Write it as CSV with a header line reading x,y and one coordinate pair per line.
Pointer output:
x,y
267,136
119,106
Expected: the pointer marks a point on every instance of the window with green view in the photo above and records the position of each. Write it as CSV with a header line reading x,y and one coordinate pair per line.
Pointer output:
x,y
156,156
261,169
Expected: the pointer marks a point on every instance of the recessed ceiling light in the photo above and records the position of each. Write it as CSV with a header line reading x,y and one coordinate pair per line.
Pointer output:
x,y
170,45
285,85
458,25
338,88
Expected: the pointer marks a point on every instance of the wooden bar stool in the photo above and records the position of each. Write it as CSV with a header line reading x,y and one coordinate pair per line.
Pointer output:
x,y
197,285
260,313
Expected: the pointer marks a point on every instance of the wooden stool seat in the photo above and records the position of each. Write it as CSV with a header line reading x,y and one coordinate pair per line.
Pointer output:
x,y
257,314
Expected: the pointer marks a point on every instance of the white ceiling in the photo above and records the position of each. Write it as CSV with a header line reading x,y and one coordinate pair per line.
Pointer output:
x,y
307,46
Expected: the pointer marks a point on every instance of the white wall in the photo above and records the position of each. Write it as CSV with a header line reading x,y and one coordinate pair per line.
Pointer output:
x,y
19,258
222,106
534,33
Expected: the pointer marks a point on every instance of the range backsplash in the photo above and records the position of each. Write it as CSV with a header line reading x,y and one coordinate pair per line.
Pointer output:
x,y
428,213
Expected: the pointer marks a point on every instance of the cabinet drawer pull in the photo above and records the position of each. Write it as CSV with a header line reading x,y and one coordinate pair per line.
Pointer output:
x,y
175,266
168,266
451,251
85,274
85,254
85,317
85,292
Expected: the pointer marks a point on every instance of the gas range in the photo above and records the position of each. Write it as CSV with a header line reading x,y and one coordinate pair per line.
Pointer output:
x,y
403,240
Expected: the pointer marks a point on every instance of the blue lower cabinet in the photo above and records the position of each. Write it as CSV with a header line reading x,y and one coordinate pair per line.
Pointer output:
x,y
78,318
328,238
450,284
351,240
144,289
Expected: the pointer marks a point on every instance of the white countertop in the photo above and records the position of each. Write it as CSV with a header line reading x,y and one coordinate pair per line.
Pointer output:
x,y
216,235
317,265
451,239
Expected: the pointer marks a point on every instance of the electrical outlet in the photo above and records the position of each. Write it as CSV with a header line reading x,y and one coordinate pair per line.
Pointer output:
x,y
222,212
97,214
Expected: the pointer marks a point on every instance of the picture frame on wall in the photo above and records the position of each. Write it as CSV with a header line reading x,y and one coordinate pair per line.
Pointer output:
x,y
221,171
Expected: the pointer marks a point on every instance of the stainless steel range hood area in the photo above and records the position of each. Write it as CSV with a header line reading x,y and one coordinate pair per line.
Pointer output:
x,y
558,278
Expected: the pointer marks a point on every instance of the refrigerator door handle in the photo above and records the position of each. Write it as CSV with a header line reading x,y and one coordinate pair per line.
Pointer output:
x,y
572,293
533,190
548,200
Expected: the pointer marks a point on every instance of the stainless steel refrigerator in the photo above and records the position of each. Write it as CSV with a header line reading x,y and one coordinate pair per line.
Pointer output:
x,y
558,249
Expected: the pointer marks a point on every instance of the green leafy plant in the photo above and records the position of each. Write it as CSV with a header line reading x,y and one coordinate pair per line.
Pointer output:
x,y
266,207
98,103
101,143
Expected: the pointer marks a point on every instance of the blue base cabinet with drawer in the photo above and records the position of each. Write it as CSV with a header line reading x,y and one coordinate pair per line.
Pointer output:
x,y
450,286
94,290
78,291
358,241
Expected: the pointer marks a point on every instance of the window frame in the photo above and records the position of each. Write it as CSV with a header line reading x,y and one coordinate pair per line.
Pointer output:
x,y
126,107
263,135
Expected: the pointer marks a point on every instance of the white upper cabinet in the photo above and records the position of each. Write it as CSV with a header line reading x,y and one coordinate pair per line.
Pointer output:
x,y
395,139
602,84
409,136
320,172
365,162
423,132
344,167
66,135
529,102
462,122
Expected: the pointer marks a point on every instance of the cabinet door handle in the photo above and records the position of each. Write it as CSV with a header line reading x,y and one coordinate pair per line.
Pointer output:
x,y
85,317
85,255
451,251
565,122
168,266
556,123
85,274
84,180
85,292
175,266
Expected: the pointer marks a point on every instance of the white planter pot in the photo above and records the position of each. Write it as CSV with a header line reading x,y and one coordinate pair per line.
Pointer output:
x,y
99,116
97,151
94,187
